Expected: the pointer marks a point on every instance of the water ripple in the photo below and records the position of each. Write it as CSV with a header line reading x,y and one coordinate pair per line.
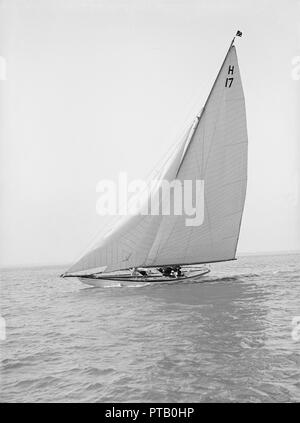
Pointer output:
x,y
226,339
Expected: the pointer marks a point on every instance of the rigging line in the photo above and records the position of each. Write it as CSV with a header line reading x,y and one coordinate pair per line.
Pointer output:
x,y
112,221
160,163
187,122
162,167
189,117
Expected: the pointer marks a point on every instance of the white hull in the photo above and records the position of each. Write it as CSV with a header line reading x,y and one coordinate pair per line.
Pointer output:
x,y
102,282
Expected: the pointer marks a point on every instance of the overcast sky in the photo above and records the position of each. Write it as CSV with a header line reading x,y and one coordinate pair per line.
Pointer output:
x,y
98,87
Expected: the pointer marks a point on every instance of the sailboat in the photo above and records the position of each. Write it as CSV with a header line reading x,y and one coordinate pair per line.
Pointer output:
x,y
214,151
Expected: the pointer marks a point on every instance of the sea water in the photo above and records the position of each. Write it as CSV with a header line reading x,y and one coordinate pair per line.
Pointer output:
x,y
233,337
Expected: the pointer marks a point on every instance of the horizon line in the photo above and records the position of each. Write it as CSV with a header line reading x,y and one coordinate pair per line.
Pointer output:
x,y
240,254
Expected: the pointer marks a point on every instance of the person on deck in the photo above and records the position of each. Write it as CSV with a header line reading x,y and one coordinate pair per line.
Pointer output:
x,y
168,271
177,271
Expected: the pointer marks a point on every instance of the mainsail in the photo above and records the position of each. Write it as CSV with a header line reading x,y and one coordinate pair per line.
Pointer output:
x,y
213,151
